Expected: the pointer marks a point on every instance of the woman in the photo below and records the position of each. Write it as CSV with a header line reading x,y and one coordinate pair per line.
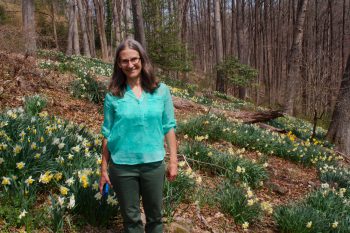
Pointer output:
x,y
138,114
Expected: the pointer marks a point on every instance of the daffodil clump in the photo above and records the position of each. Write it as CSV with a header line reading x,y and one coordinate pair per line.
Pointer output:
x,y
335,174
242,204
43,156
85,86
254,138
301,129
230,164
59,61
35,103
326,210
182,189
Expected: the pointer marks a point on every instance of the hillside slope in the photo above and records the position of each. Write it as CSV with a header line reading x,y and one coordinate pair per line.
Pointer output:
x,y
287,181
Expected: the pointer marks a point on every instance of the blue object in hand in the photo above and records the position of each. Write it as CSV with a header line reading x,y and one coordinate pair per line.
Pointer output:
x,y
105,190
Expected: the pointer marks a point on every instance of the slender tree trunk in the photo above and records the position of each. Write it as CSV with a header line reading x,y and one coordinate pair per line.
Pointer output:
x,y
220,79
294,58
117,21
83,29
28,21
53,12
90,27
138,22
339,129
76,44
128,19
69,50
100,18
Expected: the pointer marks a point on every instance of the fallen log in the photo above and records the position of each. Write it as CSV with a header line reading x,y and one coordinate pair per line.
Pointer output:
x,y
244,116
270,128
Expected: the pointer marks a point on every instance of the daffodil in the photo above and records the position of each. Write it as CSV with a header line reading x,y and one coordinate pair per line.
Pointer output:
x,y
61,145
71,203
17,149
245,225
309,224
335,224
20,165
250,202
46,177
64,190
98,196
33,146
29,181
37,156
70,181
58,176
60,201
22,214
112,201
5,180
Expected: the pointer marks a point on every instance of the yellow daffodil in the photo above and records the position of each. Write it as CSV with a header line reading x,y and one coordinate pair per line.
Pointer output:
x,y
29,181
335,224
33,146
46,177
64,190
20,165
250,202
58,176
245,225
5,181
17,149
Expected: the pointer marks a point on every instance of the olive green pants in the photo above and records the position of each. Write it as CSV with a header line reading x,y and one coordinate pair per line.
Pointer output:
x,y
132,181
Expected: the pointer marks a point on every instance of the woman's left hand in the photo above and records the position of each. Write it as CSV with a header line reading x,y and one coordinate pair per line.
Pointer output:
x,y
171,172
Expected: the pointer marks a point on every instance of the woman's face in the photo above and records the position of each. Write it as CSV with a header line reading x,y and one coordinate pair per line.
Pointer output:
x,y
130,63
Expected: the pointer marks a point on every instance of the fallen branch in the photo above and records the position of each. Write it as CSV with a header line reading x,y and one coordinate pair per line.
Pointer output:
x,y
271,128
244,116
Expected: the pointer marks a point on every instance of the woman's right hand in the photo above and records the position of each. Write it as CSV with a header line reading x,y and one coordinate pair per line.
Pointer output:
x,y
104,179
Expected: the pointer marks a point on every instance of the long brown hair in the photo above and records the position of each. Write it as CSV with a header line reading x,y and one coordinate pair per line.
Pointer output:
x,y
149,83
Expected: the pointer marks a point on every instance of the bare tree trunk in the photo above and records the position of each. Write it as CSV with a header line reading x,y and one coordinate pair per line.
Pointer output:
x,y
294,58
117,20
76,44
90,27
241,42
128,19
339,129
138,22
28,21
69,50
220,79
100,13
53,9
83,29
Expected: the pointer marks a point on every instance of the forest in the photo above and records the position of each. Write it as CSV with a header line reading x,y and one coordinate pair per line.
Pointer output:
x,y
261,90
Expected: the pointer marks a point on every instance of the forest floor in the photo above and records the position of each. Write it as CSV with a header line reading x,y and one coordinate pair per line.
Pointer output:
x,y
20,77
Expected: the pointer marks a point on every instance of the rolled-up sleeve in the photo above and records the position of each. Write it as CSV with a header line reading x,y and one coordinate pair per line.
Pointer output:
x,y
108,116
168,120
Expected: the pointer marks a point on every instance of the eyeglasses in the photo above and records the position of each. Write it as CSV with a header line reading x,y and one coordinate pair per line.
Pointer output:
x,y
133,61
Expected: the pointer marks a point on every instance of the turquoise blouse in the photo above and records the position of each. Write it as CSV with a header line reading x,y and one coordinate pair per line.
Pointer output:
x,y
135,128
